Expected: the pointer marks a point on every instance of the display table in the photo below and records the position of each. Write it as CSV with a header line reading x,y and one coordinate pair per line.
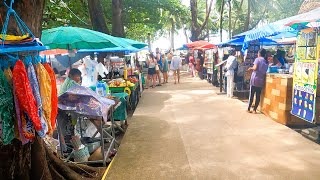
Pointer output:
x,y
276,99
121,112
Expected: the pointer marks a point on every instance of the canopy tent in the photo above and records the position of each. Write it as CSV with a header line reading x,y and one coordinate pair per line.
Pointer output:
x,y
278,26
183,48
200,45
284,35
240,40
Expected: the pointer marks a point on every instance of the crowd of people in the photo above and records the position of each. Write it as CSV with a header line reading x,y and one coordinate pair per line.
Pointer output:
x,y
160,65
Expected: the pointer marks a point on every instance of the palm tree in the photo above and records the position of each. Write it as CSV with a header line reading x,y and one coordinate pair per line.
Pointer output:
x,y
220,5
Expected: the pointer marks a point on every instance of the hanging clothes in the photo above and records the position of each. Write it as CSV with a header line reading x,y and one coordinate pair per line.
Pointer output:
x,y
22,138
36,93
6,110
24,94
8,73
45,92
54,95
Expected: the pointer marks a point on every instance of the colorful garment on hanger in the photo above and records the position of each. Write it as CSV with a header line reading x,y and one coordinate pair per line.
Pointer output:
x,y
19,122
45,92
6,110
24,94
36,93
27,127
8,73
54,95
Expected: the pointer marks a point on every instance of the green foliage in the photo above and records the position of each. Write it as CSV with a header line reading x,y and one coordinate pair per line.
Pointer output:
x,y
140,17
57,14
261,10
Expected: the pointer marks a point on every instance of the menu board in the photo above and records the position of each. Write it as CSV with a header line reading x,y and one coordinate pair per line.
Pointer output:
x,y
305,76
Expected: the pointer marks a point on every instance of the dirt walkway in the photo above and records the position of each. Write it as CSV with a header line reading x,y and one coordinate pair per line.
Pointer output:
x,y
187,131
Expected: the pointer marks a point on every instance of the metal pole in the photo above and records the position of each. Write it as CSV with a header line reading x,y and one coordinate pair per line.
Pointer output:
x,y
221,78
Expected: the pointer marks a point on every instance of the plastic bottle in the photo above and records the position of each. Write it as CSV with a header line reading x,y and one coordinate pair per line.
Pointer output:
x,y
101,89
125,72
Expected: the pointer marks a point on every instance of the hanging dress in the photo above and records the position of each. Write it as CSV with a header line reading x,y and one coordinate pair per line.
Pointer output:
x,y
45,92
54,95
27,102
36,93
6,110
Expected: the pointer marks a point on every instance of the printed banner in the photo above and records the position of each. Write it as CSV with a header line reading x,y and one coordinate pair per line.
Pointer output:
x,y
305,76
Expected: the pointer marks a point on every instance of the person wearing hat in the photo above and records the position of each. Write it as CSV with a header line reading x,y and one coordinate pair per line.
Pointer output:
x,y
229,72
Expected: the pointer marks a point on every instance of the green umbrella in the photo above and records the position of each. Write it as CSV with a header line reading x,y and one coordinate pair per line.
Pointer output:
x,y
77,38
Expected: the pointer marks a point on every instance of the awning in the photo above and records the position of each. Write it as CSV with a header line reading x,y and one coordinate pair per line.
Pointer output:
x,y
278,26
239,41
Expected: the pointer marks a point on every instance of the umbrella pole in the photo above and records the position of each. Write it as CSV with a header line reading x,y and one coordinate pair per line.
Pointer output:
x,y
70,65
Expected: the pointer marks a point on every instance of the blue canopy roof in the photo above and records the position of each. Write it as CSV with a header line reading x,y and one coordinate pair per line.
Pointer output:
x,y
240,40
276,27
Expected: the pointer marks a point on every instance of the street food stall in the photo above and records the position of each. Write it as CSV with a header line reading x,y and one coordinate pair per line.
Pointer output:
x,y
289,98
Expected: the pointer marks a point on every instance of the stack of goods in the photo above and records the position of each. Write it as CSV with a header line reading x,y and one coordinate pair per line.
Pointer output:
x,y
29,102
18,41
120,83
133,80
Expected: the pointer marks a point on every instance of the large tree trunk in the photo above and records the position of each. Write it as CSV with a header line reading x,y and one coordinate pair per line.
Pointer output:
x,y
30,10
230,18
117,23
221,19
196,29
97,16
34,161
172,33
246,25
194,20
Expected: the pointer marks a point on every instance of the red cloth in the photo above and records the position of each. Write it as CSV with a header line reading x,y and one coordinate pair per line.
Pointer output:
x,y
191,60
24,94
54,96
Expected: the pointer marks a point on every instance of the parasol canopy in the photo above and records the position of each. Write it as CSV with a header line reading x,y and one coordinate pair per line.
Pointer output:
x,y
67,37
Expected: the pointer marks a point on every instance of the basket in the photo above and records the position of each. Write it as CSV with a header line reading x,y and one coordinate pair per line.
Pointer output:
x,y
81,155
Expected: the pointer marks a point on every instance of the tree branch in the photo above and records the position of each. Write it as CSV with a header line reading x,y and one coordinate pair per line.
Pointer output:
x,y
207,17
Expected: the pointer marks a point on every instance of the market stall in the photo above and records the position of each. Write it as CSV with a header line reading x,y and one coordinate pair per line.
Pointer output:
x,y
82,104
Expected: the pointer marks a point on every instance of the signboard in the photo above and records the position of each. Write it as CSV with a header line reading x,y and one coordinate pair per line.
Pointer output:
x,y
305,76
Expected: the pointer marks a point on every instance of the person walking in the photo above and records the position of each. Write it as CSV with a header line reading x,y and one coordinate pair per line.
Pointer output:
x,y
151,71
229,70
191,66
165,69
258,78
175,67
158,66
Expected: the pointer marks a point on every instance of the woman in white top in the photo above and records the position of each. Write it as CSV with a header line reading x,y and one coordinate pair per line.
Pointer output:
x,y
152,62
175,67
